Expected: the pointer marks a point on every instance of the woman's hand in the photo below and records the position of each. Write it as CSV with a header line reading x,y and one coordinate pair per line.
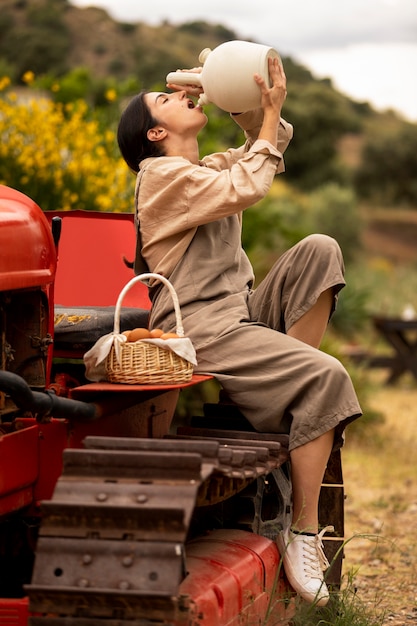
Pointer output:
x,y
190,88
273,97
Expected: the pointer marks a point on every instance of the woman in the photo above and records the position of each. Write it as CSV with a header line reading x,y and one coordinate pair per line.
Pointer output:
x,y
190,214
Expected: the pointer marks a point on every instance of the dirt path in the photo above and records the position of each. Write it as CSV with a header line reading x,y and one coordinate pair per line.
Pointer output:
x,y
380,475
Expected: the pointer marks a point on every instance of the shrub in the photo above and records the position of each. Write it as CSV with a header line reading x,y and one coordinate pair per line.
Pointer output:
x,y
334,211
58,156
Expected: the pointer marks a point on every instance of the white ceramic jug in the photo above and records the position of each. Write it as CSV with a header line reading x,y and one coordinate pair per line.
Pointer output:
x,y
227,75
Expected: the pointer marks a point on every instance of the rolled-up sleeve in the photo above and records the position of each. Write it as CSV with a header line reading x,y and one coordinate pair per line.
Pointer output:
x,y
251,122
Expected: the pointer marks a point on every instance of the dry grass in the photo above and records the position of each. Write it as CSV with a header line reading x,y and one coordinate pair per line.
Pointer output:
x,y
380,475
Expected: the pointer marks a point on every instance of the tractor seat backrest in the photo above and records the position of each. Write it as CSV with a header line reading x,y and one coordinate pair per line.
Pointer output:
x,y
94,253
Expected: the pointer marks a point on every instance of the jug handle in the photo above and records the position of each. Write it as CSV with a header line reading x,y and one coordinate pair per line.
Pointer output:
x,y
184,78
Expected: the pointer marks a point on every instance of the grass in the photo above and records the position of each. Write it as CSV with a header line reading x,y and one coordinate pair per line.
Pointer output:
x,y
380,476
343,609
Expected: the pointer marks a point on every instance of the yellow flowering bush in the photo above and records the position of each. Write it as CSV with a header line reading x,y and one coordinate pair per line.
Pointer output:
x,y
58,155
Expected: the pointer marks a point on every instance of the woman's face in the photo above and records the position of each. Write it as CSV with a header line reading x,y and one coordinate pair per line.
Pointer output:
x,y
176,112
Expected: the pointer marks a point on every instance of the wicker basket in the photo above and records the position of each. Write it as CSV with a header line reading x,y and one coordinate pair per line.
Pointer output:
x,y
141,362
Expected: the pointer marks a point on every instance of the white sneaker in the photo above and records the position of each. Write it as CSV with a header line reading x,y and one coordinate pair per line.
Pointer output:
x,y
304,563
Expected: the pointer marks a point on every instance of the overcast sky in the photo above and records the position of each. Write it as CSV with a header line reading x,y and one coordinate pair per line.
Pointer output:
x,y
367,47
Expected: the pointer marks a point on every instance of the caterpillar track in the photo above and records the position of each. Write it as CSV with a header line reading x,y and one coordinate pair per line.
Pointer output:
x,y
112,545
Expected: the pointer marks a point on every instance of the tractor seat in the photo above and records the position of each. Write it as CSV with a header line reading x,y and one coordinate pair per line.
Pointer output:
x,y
76,329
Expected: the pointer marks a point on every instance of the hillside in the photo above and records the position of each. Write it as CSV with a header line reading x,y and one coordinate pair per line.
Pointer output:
x,y
54,36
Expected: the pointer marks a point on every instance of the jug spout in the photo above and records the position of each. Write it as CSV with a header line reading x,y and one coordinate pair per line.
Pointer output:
x,y
202,100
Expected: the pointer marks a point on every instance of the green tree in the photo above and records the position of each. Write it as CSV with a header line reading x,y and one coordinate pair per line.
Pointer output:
x,y
333,210
75,85
220,133
321,116
40,43
389,165
273,225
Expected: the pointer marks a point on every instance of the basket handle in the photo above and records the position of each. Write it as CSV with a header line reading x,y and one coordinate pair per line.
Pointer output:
x,y
141,278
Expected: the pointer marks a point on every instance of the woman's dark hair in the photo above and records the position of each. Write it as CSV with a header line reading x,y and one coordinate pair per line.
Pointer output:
x,y
132,138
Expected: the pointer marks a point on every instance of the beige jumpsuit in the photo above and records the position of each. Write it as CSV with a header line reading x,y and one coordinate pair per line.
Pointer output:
x,y
190,222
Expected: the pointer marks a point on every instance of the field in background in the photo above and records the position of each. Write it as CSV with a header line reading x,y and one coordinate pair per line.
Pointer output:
x,y
380,475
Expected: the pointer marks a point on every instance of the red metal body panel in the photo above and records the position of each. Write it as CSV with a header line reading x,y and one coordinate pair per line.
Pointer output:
x,y
31,461
53,438
27,251
234,578
19,455
14,612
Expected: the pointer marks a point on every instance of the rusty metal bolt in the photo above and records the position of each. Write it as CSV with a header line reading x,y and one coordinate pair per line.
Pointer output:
x,y
87,559
101,497
127,561
124,585
141,498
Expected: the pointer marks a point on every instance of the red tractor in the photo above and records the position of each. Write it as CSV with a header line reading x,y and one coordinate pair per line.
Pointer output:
x,y
113,512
